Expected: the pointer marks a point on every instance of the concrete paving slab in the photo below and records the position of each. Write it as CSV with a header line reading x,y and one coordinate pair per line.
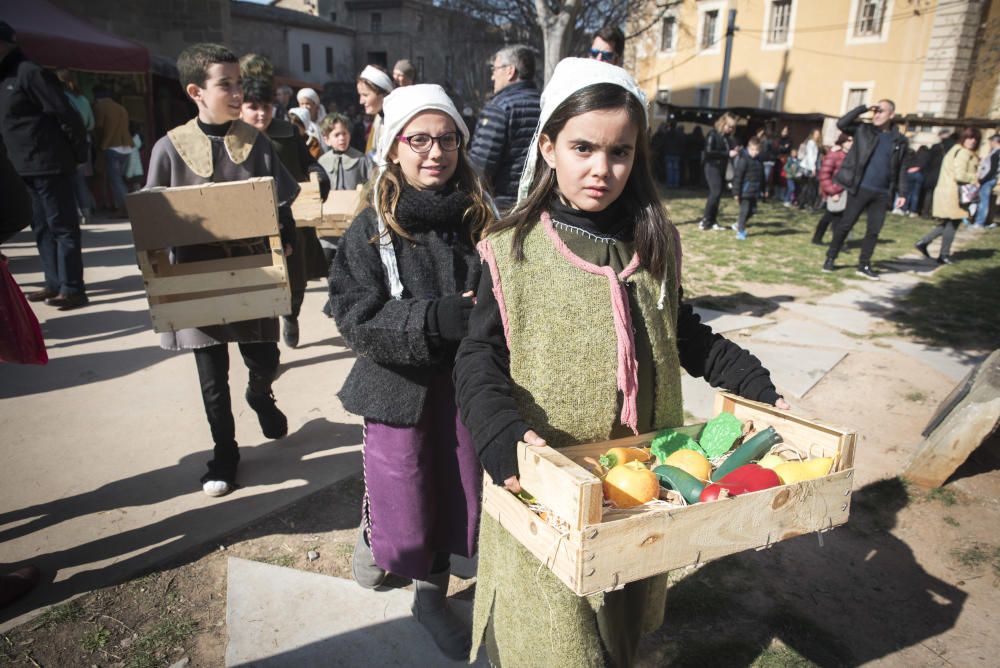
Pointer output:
x,y
795,370
722,322
699,396
103,448
280,617
952,363
853,320
859,299
805,332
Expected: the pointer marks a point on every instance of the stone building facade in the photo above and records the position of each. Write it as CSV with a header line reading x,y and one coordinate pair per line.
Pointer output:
x,y
936,58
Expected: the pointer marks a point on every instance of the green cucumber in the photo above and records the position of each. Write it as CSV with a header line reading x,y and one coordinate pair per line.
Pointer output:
x,y
679,480
751,451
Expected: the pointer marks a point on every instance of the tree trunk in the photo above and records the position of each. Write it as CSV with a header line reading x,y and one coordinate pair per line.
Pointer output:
x,y
556,31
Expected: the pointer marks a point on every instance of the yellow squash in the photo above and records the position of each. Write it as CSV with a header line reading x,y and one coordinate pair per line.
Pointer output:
x,y
792,472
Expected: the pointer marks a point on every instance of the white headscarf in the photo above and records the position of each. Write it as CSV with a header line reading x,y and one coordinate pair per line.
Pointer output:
x,y
312,129
377,77
311,94
571,75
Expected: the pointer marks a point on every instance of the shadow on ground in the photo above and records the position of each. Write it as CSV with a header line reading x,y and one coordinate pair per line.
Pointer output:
x,y
734,607
145,547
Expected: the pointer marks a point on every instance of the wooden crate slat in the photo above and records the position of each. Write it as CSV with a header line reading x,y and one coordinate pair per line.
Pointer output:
x,y
271,302
210,266
537,535
219,280
307,209
165,217
572,492
641,546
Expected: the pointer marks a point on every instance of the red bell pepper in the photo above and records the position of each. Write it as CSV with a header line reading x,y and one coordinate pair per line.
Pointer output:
x,y
747,478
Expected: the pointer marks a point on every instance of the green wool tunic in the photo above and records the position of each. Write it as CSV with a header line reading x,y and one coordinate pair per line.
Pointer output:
x,y
566,364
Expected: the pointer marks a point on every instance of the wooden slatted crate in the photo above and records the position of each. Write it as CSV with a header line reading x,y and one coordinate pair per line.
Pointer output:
x,y
598,549
330,218
210,292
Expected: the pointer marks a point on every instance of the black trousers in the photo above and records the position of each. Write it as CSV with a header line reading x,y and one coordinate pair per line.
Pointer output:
x,y
713,176
748,206
874,205
56,225
829,218
213,374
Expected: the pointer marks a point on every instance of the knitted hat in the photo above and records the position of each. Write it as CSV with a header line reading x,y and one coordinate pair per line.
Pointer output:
x,y
570,76
402,104
377,77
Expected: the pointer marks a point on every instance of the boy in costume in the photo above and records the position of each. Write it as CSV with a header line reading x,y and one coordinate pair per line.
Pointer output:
x,y
216,147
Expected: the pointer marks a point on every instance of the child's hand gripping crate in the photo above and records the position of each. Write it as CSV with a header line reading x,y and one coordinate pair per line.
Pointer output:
x,y
594,548
253,283
330,218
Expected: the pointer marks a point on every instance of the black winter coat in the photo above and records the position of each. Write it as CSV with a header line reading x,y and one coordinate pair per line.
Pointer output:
x,y
397,355
503,135
748,176
865,139
15,212
42,130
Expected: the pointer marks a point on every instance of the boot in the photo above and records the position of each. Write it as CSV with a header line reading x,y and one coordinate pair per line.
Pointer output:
x,y
290,331
430,607
366,572
273,422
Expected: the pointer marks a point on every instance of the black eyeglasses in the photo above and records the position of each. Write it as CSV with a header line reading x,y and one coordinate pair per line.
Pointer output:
x,y
422,142
606,56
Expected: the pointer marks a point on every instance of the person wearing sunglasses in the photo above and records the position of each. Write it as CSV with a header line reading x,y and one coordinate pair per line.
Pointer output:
x,y
608,45
507,123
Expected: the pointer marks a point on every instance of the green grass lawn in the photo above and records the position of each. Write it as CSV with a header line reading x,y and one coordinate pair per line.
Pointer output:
x,y
958,306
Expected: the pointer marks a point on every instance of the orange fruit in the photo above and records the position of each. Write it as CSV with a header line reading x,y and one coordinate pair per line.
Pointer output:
x,y
691,462
629,485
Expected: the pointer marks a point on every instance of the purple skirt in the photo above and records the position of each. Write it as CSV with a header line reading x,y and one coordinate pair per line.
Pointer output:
x,y
422,487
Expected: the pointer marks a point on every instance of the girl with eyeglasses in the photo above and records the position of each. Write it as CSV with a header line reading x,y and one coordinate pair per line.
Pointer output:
x,y
401,290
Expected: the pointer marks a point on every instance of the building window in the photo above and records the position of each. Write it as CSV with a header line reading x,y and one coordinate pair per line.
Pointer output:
x,y
856,97
662,101
871,15
376,22
333,17
306,64
709,26
449,68
420,22
420,69
770,97
703,96
329,60
781,15
669,33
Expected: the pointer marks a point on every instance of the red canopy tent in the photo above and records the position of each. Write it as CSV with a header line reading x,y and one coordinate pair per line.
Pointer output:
x,y
53,37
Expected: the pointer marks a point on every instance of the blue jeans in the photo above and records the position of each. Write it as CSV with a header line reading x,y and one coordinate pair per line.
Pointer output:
x,y
116,176
673,165
914,184
985,195
790,190
56,226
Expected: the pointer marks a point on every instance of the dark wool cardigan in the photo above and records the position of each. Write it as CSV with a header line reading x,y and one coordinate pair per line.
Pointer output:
x,y
397,356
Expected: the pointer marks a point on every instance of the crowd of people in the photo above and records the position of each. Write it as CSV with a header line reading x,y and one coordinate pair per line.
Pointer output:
x,y
871,168
454,286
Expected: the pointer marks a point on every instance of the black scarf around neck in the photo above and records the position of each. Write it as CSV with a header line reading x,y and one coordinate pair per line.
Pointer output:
x,y
426,210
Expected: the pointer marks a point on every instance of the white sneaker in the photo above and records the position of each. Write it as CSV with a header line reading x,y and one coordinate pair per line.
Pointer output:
x,y
216,488
897,212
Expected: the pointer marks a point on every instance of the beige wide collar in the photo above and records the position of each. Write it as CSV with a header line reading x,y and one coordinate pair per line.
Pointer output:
x,y
195,148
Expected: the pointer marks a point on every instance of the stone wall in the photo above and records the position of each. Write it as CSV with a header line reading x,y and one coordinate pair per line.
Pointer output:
x,y
264,38
984,89
948,68
165,27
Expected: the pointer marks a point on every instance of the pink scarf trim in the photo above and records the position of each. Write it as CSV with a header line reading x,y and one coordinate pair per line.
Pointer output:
x,y
489,257
628,373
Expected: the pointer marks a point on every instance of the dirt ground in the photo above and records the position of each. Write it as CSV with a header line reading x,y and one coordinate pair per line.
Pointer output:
x,y
912,580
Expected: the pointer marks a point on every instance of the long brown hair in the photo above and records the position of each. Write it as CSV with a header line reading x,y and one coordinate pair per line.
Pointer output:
x,y
652,226
390,183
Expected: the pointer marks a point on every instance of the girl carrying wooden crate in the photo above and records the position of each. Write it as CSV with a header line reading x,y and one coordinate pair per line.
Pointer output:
x,y
579,334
